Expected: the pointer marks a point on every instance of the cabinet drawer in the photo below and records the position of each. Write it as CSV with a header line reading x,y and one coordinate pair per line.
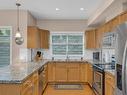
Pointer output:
x,y
110,79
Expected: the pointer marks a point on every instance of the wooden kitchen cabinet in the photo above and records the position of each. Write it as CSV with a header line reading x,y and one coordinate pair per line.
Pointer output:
x,y
61,72
73,72
33,37
67,72
123,17
90,39
28,87
99,36
90,74
51,72
109,84
83,72
35,81
44,38
45,77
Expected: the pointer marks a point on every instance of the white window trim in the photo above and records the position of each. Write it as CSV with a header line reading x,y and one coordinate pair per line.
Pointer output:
x,y
64,33
10,27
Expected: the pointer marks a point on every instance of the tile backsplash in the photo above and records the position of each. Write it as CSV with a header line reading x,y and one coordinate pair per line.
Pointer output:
x,y
27,55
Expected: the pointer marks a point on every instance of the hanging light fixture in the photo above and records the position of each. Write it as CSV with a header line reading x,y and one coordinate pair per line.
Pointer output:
x,y
18,37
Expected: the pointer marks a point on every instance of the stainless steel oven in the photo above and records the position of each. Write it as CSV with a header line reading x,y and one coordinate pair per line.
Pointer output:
x,y
98,80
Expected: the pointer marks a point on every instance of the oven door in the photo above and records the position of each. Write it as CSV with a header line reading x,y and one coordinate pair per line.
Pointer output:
x,y
98,82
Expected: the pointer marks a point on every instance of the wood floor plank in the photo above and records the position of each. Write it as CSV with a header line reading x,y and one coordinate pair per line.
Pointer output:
x,y
50,90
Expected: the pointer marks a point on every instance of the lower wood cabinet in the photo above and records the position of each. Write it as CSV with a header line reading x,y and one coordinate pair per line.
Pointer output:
x,y
28,87
109,84
90,74
51,72
61,72
73,72
67,72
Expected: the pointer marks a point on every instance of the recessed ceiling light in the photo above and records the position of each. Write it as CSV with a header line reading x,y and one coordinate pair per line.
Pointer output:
x,y
82,9
57,9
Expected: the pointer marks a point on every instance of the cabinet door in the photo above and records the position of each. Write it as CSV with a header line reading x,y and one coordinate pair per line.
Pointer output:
x,y
36,87
109,90
51,72
123,17
73,72
99,35
45,35
90,39
28,90
109,84
83,72
33,37
90,74
61,72
35,84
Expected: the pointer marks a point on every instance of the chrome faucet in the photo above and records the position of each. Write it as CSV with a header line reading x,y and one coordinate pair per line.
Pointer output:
x,y
67,57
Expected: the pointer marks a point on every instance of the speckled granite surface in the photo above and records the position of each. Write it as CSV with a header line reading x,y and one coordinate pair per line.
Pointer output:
x,y
19,72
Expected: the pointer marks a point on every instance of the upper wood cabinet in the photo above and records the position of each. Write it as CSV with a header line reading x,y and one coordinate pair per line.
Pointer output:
x,y
33,37
123,17
90,39
44,41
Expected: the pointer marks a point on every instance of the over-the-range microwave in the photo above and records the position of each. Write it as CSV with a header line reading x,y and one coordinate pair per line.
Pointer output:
x,y
109,40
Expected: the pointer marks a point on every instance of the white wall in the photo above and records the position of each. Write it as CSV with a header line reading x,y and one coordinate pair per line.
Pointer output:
x,y
62,25
9,18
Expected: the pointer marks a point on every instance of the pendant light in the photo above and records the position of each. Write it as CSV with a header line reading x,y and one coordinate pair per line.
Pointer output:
x,y
18,37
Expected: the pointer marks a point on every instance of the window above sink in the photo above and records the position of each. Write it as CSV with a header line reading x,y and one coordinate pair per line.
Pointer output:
x,y
67,45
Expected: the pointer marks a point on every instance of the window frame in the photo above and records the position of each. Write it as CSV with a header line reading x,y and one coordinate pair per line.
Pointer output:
x,y
11,39
66,33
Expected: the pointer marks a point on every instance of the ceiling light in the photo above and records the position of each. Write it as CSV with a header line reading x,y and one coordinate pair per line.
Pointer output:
x,y
82,9
57,9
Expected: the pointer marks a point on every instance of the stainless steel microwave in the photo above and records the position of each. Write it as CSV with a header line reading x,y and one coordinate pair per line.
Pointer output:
x,y
109,40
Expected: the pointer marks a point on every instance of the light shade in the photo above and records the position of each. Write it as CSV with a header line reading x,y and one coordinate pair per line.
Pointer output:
x,y
17,35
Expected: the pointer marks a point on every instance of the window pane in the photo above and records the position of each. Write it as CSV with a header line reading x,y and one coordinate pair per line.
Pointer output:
x,y
4,32
59,39
75,49
4,46
75,39
59,49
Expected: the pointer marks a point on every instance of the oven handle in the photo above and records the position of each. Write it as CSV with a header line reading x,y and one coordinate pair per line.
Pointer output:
x,y
123,71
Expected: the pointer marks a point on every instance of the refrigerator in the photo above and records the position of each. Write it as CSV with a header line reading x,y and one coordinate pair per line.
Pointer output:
x,y
121,59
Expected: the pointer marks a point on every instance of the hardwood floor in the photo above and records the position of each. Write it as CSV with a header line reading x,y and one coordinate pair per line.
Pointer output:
x,y
51,91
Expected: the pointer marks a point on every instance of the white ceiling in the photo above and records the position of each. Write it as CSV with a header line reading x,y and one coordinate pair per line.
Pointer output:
x,y
45,9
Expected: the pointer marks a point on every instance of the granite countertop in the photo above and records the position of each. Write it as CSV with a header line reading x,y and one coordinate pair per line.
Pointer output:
x,y
17,73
